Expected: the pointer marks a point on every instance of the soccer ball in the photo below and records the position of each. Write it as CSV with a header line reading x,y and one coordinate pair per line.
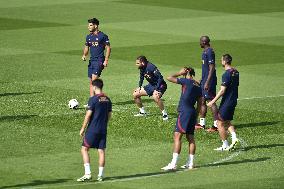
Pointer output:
x,y
73,104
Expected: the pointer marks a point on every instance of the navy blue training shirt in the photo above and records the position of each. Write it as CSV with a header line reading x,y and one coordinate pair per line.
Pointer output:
x,y
230,79
97,43
100,105
152,75
208,57
190,93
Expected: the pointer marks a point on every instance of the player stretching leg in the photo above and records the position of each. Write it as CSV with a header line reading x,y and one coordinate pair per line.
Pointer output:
x,y
229,93
94,136
156,87
187,114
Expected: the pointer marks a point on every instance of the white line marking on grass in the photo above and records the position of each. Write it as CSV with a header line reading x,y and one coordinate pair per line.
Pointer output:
x,y
233,155
260,97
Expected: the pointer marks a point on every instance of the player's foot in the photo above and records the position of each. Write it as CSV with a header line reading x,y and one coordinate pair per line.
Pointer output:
x,y
198,126
233,145
100,178
84,178
140,114
169,167
222,148
86,106
212,129
165,117
186,166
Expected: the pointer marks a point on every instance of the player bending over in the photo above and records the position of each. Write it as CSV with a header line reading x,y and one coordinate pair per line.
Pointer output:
x,y
156,87
229,93
94,136
187,115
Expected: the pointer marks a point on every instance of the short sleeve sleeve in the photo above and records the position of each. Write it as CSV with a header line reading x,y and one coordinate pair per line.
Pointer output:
x,y
211,56
87,42
109,106
106,40
92,103
181,81
226,79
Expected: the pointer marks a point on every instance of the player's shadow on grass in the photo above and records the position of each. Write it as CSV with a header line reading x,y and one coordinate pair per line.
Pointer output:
x,y
132,177
16,117
265,123
238,162
132,102
37,183
17,94
263,146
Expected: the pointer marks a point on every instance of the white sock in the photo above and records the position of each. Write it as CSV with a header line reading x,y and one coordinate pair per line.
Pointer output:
x,y
234,136
202,121
142,110
190,159
101,171
215,123
164,112
87,169
225,143
175,159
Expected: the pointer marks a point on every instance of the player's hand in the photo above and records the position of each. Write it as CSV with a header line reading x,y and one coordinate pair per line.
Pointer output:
x,y
82,132
209,104
183,71
206,86
105,63
84,58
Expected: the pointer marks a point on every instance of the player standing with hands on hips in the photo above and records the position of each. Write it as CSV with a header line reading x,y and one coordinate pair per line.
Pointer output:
x,y
96,42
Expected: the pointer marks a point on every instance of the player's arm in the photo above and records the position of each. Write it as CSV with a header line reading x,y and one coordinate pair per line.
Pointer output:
x,y
211,71
141,78
85,122
85,53
107,55
158,74
109,115
219,94
173,78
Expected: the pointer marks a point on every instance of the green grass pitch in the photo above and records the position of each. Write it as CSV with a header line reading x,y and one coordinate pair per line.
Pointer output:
x,y
41,70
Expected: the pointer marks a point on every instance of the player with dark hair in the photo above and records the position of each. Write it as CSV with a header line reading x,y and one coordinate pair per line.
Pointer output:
x,y
94,136
229,93
187,115
96,42
156,87
208,83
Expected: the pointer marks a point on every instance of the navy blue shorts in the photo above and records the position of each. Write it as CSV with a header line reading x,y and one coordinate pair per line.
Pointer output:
x,y
150,89
186,122
226,112
95,67
93,140
210,94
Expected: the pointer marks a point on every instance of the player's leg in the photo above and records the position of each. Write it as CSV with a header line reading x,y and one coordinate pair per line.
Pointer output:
x,y
86,160
223,135
101,153
137,99
202,114
235,140
157,98
176,151
191,152
214,110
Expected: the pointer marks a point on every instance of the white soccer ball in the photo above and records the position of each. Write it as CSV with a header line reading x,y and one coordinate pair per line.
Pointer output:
x,y
73,104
